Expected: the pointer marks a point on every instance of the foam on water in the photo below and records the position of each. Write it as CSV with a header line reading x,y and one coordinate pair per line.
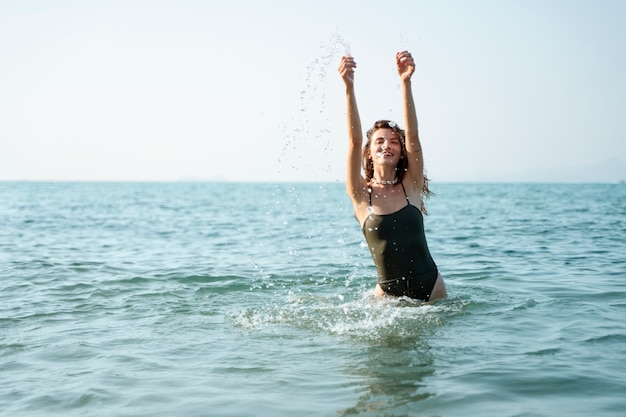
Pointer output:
x,y
365,317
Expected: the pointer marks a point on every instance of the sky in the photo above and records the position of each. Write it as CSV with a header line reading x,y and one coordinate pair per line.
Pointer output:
x,y
244,90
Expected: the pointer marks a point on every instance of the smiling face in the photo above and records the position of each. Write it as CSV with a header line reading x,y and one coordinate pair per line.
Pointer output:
x,y
385,147
388,135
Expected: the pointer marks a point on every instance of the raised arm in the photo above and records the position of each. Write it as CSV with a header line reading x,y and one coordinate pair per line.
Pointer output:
x,y
406,68
354,181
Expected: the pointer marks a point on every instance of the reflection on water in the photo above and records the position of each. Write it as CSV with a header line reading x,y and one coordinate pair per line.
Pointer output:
x,y
391,377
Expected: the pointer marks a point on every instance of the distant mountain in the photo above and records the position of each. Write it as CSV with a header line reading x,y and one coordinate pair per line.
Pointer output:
x,y
609,171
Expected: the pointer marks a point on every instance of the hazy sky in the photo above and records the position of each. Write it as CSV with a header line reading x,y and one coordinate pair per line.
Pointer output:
x,y
248,90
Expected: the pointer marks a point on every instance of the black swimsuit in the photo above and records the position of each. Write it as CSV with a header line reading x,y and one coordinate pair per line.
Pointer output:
x,y
398,246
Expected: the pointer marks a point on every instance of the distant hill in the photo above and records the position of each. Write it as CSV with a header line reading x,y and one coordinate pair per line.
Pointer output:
x,y
609,171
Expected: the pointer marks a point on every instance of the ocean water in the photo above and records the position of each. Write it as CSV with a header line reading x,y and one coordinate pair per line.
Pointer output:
x,y
227,299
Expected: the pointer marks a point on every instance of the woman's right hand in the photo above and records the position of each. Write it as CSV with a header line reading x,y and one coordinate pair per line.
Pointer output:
x,y
346,69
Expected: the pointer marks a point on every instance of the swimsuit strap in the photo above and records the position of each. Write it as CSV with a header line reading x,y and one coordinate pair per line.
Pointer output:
x,y
407,197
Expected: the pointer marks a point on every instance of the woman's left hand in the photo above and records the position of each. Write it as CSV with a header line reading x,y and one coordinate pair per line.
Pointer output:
x,y
405,64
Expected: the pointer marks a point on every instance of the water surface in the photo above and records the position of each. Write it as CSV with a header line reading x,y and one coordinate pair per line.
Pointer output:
x,y
204,299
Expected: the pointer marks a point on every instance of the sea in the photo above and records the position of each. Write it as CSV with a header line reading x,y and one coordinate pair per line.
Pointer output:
x,y
256,299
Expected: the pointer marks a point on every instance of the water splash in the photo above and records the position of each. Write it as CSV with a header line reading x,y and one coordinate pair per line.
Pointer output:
x,y
309,131
318,70
365,317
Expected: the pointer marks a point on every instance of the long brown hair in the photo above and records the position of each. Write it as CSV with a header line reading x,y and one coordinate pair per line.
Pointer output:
x,y
403,163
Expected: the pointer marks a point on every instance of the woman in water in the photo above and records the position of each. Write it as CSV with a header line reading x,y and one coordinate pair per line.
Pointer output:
x,y
388,199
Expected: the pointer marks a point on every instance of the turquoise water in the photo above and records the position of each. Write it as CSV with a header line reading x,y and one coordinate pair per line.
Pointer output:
x,y
206,299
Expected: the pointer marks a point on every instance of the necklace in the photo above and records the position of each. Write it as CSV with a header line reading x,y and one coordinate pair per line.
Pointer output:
x,y
385,182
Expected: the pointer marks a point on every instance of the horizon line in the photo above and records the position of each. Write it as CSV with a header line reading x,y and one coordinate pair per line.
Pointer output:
x,y
252,181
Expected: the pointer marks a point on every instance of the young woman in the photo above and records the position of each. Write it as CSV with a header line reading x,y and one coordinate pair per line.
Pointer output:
x,y
388,198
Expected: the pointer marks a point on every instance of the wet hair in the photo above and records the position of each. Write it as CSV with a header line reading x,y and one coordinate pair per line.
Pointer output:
x,y
403,163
